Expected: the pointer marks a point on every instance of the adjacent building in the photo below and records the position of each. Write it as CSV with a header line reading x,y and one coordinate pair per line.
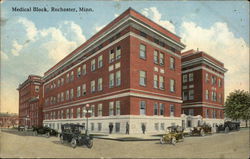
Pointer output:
x,y
30,111
203,86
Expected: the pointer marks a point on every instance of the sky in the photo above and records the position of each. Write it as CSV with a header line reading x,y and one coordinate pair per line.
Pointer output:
x,y
32,42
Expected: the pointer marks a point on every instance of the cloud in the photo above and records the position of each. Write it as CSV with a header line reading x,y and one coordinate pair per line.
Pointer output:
x,y
98,28
30,28
4,56
218,41
16,48
156,16
116,15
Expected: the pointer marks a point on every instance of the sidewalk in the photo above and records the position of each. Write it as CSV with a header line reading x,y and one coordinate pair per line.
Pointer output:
x,y
128,137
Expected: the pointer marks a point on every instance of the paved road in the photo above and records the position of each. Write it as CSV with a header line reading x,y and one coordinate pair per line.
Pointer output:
x,y
232,145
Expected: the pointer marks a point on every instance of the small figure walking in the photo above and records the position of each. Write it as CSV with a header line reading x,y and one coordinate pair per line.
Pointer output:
x,y
111,128
143,127
127,128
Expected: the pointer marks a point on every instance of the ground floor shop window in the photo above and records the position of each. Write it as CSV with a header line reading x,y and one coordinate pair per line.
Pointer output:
x,y
162,126
92,127
156,126
99,126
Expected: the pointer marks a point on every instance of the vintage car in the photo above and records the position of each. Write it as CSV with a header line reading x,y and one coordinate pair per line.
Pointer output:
x,y
228,126
44,131
73,133
201,130
21,128
174,134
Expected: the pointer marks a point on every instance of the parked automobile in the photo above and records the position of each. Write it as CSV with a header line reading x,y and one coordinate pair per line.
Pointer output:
x,y
228,126
21,128
45,130
201,130
73,133
174,134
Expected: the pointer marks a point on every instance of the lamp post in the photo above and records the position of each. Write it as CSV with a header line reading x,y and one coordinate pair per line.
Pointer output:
x,y
87,111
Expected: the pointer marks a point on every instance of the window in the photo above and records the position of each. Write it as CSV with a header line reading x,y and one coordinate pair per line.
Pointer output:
x,y
161,59
71,112
191,112
172,109
214,114
220,98
62,81
207,78
67,77
99,109
213,78
118,108
155,81
191,77
111,80
185,95
191,94
111,56
62,114
92,126
100,62
62,97
99,126
142,78
93,65
142,51
78,112
161,82
172,85
79,72
58,83
117,65
99,84
172,63
156,126
117,127
142,108
118,52
92,110
84,71
207,94
67,95
162,108
155,109
184,78
92,86
84,91
72,76
118,78
71,93
111,108
67,114
58,97
156,57
78,91
219,82
162,126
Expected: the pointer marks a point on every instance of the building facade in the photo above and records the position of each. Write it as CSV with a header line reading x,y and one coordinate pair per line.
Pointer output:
x,y
8,120
203,86
129,72
30,111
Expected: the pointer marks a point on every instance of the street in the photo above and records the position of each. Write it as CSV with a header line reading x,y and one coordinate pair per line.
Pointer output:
x,y
232,145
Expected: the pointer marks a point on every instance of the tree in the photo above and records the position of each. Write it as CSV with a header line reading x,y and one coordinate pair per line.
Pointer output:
x,y
237,105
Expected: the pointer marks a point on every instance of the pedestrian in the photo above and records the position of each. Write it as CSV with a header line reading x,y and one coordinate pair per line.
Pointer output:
x,y
110,128
127,128
143,127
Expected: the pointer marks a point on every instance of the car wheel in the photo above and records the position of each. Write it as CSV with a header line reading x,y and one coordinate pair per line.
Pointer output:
x,y
61,139
173,141
73,143
90,144
202,133
226,129
162,140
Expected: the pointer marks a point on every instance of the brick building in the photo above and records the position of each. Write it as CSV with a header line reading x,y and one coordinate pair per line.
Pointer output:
x,y
130,71
30,111
203,86
8,120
